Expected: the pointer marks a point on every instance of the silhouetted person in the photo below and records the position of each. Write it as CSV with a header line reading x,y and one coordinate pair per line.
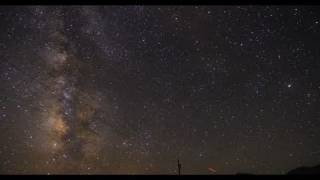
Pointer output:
x,y
179,167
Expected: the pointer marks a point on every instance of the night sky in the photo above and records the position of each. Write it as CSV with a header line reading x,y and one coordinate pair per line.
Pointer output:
x,y
130,89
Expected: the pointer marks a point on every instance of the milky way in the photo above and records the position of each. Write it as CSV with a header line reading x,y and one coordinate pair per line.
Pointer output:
x,y
68,116
131,89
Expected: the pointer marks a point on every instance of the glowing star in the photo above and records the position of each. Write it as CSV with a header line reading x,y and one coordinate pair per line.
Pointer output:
x,y
289,85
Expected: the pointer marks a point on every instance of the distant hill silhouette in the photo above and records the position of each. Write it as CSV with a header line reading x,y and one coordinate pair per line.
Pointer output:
x,y
297,171
305,170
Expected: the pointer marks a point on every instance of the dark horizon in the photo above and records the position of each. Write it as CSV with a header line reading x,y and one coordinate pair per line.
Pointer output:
x,y
131,89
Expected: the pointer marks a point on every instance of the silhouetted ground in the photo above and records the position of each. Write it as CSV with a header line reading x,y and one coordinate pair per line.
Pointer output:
x,y
305,170
244,174
297,171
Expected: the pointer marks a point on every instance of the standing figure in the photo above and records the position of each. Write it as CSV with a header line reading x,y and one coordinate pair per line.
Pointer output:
x,y
179,167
